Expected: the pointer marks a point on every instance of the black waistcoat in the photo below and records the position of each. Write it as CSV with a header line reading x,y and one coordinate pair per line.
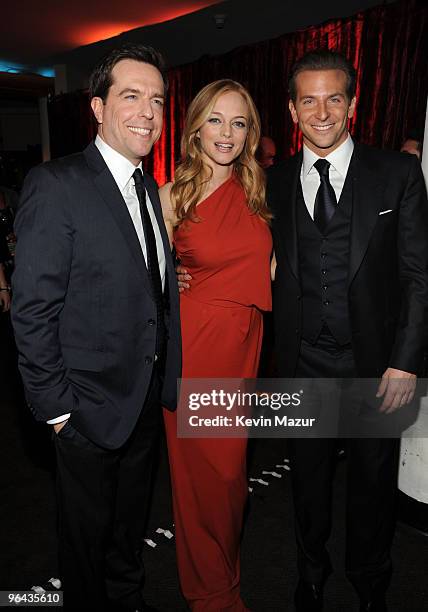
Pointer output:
x,y
323,265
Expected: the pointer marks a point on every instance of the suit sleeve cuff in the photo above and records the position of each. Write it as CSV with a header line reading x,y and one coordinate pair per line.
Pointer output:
x,y
59,419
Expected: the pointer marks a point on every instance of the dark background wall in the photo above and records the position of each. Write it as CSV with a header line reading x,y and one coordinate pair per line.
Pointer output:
x,y
187,38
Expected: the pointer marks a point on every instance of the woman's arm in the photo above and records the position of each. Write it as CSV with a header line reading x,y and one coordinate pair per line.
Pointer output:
x,y
273,266
168,211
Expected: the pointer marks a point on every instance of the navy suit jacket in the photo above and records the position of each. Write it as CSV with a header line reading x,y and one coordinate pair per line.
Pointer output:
x,y
83,310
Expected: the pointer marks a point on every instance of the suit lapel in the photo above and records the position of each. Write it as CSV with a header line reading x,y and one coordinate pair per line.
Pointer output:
x,y
170,277
366,203
154,199
110,193
288,212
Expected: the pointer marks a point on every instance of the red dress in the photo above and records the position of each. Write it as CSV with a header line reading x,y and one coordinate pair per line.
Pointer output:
x,y
228,255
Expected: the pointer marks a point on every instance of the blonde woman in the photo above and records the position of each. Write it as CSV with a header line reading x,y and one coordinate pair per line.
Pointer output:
x,y
217,219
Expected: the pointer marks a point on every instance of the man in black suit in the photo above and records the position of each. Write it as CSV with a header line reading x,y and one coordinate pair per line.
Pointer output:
x,y
350,300
96,317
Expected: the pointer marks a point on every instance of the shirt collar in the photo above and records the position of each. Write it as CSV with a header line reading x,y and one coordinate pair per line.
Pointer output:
x,y
120,167
339,158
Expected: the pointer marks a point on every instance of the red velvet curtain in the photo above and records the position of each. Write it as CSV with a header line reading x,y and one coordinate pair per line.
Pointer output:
x,y
387,44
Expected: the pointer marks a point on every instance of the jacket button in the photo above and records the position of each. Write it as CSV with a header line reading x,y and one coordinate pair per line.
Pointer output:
x,y
148,360
325,287
299,297
326,302
151,322
297,330
324,271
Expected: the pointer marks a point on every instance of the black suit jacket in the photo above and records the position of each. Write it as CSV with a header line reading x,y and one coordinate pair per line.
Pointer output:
x,y
83,310
388,263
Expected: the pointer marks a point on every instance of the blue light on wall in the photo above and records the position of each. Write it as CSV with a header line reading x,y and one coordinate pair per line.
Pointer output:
x,y
13,68
46,72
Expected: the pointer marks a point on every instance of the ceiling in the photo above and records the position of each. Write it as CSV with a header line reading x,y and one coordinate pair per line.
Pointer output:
x,y
38,30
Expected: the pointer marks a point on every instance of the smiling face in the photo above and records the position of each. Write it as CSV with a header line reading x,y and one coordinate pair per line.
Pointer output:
x,y
322,109
130,120
222,136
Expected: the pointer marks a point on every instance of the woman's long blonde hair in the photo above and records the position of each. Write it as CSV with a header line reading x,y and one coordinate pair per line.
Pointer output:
x,y
192,175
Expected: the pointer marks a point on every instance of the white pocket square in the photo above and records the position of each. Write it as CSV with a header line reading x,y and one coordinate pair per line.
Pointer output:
x,y
384,212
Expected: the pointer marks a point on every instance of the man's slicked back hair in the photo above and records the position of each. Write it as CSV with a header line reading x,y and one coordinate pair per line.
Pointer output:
x,y
323,59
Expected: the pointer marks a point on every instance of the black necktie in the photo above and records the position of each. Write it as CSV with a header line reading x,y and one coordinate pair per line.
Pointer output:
x,y
325,202
152,261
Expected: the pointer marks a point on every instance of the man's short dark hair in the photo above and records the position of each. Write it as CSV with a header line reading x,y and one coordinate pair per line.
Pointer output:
x,y
323,59
100,80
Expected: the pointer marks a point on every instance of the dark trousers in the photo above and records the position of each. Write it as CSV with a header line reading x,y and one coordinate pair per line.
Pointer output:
x,y
372,466
103,500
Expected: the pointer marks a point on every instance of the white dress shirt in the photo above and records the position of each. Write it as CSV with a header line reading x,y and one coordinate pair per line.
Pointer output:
x,y
309,176
122,170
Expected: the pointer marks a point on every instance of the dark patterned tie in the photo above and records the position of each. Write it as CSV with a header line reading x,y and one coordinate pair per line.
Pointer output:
x,y
325,201
152,261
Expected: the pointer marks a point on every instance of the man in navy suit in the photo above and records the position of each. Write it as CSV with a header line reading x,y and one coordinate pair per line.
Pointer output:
x,y
350,234
96,318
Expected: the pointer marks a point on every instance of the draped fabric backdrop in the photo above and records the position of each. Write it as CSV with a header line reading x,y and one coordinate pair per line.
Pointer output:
x,y
388,46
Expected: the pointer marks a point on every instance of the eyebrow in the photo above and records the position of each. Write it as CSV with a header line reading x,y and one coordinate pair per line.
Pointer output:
x,y
136,91
237,116
128,90
333,95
